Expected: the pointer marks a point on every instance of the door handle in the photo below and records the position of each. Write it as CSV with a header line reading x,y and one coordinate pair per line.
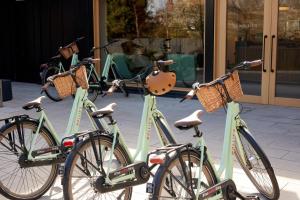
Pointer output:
x,y
272,70
263,58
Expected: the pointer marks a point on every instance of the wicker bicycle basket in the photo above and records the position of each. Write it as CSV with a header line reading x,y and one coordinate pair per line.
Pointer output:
x,y
68,51
212,95
66,86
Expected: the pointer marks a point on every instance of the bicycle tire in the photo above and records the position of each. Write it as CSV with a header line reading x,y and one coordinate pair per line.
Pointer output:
x,y
162,184
93,80
36,186
69,187
51,91
248,143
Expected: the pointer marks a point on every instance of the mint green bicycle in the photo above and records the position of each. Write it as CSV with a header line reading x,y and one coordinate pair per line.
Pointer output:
x,y
188,172
101,165
31,150
55,66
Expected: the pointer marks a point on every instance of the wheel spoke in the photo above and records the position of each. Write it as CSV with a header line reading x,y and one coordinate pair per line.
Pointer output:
x,y
24,183
173,183
257,171
81,184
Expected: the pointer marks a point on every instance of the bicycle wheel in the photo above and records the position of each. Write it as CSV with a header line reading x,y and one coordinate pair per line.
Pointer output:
x,y
169,180
94,86
257,167
51,91
80,170
17,182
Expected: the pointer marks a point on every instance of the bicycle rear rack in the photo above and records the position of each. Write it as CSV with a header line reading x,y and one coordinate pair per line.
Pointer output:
x,y
166,151
14,118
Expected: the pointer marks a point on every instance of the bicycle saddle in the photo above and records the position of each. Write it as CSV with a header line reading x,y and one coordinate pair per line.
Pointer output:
x,y
189,121
107,110
34,104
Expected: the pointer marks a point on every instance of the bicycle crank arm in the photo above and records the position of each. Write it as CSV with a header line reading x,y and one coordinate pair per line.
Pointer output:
x,y
140,170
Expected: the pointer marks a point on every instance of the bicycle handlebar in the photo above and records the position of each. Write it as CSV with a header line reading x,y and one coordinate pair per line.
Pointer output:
x,y
119,83
76,40
71,72
73,68
256,63
104,46
160,64
242,66
72,43
247,65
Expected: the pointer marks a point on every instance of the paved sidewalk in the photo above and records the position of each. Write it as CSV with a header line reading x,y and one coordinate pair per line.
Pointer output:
x,y
276,128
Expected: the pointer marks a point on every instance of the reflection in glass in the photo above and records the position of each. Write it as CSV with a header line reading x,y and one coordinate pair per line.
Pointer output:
x,y
288,50
164,29
244,40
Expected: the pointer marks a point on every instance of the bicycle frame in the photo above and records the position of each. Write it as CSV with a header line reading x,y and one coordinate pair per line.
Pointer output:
x,y
74,61
108,63
81,101
92,70
149,117
225,170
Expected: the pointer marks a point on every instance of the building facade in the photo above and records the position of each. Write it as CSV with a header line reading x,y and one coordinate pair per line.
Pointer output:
x,y
208,37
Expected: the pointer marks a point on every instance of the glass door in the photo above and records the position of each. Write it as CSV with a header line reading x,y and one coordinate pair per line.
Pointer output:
x,y
285,55
248,38
149,30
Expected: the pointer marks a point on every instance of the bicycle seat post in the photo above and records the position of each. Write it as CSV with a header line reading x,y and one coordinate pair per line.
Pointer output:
x,y
111,120
198,132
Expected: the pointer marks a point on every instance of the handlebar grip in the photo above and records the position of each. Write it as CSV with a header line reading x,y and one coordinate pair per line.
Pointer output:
x,y
89,60
246,65
80,38
94,60
189,95
165,62
255,63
